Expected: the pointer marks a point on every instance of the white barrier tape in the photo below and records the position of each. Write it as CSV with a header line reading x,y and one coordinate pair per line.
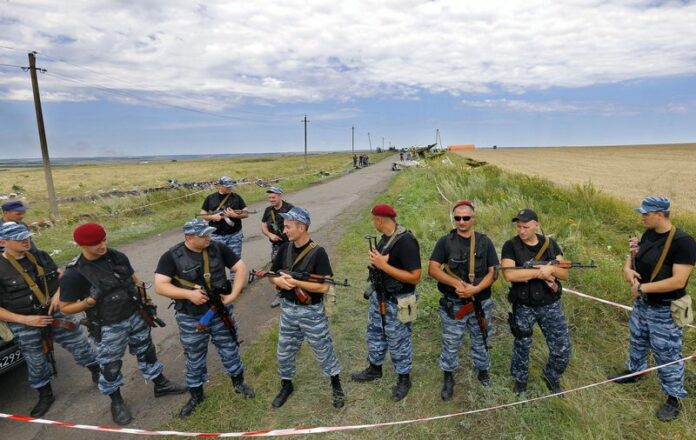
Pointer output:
x,y
324,429
604,301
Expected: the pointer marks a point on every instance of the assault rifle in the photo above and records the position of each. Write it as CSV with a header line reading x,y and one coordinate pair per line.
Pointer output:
x,y
146,308
301,295
376,283
473,304
565,264
47,337
216,305
222,211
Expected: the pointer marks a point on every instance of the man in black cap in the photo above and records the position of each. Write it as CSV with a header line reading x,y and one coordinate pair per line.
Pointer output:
x,y
658,269
535,295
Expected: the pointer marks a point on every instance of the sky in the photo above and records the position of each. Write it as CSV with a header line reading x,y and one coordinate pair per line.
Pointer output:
x,y
179,77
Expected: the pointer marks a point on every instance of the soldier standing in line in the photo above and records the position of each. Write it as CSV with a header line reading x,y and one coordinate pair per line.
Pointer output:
x,y
190,273
272,223
302,313
102,283
535,295
14,211
395,270
658,270
29,302
463,263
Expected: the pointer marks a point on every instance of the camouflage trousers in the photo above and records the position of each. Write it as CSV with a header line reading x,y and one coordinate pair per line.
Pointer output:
x,y
74,341
453,331
652,329
396,337
553,325
299,322
134,333
195,346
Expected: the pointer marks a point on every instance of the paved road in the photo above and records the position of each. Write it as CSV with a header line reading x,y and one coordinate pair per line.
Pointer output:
x,y
333,204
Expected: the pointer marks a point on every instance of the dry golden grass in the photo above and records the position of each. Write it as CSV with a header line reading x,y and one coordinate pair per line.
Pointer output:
x,y
628,172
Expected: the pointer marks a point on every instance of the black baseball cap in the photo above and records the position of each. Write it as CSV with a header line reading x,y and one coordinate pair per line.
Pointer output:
x,y
525,215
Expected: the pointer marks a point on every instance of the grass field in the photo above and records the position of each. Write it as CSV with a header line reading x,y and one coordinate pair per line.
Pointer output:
x,y
133,217
627,172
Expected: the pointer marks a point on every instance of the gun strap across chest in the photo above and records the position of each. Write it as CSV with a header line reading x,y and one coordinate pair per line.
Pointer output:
x,y
27,279
302,254
224,200
206,274
472,262
541,252
661,261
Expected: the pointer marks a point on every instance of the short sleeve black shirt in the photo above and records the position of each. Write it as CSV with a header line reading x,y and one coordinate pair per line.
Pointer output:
x,y
279,223
320,264
681,251
508,251
404,255
235,201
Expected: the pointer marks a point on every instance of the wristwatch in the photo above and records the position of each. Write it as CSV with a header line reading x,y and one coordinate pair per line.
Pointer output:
x,y
642,294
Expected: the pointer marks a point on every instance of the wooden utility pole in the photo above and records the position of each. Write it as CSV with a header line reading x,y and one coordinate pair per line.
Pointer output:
x,y
369,140
42,137
382,143
305,141
352,139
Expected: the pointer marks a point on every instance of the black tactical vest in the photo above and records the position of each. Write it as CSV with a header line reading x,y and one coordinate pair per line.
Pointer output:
x,y
116,289
647,258
391,285
458,261
18,297
306,264
191,269
533,292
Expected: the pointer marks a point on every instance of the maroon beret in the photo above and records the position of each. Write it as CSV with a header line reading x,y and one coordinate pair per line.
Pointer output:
x,y
383,210
464,203
89,234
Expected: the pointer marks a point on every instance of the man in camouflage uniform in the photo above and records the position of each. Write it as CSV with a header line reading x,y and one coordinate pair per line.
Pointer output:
x,y
302,313
395,270
464,290
272,223
658,281
231,209
102,283
535,295
30,304
190,273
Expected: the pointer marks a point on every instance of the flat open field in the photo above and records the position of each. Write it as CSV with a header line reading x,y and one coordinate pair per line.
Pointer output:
x,y
628,172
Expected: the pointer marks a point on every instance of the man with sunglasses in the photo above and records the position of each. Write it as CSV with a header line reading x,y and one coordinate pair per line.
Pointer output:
x,y
535,295
658,269
451,265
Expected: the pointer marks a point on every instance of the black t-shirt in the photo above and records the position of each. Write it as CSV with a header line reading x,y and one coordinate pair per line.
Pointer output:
x,y
166,265
440,256
75,287
234,201
681,251
509,251
405,255
320,264
267,218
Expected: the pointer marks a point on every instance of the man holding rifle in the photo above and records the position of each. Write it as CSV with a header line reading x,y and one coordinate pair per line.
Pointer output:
x,y
272,223
463,263
29,302
224,210
302,313
192,273
535,295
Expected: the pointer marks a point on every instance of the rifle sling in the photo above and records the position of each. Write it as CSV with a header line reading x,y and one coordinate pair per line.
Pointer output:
x,y
27,279
661,261
206,275
541,252
224,200
472,262
303,254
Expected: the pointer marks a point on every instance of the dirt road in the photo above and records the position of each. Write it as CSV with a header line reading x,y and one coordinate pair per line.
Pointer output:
x,y
332,204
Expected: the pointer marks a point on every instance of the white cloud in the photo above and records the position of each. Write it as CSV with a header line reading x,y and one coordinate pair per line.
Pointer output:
x,y
221,54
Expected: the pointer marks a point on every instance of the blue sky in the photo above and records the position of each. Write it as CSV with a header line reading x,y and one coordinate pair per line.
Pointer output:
x,y
183,78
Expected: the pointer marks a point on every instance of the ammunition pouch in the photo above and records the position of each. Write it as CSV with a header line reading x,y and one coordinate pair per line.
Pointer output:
x,y
407,308
447,306
682,312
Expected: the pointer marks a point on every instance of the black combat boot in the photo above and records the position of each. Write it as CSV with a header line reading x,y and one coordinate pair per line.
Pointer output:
x,y
447,386
94,370
164,386
286,389
553,385
241,388
337,392
196,398
520,388
402,386
484,378
625,380
669,410
368,374
119,411
46,399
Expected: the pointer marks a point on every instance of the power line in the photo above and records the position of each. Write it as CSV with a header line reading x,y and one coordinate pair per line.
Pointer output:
x,y
13,65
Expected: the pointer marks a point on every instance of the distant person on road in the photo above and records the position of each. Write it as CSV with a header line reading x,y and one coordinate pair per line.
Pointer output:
x,y
535,295
463,263
395,270
302,313
29,302
190,273
102,283
658,268
272,223
355,161
224,211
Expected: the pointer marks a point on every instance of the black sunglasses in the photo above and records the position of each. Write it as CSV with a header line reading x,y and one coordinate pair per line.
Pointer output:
x,y
465,218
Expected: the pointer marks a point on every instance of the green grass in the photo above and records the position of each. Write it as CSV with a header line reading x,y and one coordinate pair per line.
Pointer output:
x,y
586,223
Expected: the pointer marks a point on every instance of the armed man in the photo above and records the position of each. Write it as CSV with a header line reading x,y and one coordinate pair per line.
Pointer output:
x,y
192,273
224,210
102,283
535,295
395,270
14,211
302,314
272,223
29,302
463,263
658,268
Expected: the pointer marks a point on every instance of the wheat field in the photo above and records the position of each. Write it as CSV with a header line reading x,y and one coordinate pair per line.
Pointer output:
x,y
628,172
